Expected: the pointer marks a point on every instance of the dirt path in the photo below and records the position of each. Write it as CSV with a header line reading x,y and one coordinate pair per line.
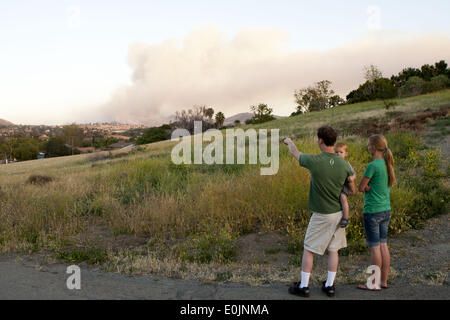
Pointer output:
x,y
19,280
420,259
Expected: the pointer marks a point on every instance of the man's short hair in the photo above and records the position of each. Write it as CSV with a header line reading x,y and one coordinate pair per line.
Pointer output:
x,y
328,135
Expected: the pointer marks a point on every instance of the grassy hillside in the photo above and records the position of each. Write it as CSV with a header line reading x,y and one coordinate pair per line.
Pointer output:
x,y
137,210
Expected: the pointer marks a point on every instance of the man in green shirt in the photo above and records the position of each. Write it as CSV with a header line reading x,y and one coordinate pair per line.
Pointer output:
x,y
329,173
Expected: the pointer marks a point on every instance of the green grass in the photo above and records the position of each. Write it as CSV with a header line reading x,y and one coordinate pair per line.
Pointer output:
x,y
90,255
441,128
272,251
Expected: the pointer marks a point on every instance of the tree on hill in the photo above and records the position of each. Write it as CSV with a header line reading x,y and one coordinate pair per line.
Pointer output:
x,y
316,98
379,89
384,89
220,118
441,67
209,112
261,113
415,85
437,83
155,134
104,142
375,87
185,118
26,149
426,72
10,146
19,147
73,135
408,82
372,73
3,151
56,147
400,79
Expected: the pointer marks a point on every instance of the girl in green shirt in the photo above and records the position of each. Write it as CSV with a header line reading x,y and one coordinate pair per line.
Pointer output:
x,y
378,178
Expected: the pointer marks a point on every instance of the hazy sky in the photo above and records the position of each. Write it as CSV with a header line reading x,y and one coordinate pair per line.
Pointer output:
x,y
140,61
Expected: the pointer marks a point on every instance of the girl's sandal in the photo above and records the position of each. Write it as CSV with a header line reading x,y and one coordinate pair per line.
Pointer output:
x,y
364,287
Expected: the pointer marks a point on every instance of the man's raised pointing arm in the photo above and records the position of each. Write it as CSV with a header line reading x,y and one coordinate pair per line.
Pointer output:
x,y
292,148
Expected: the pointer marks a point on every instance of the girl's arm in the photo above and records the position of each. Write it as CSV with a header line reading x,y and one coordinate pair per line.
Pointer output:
x,y
364,185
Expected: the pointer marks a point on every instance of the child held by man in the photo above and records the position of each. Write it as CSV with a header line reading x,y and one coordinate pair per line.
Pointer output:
x,y
341,150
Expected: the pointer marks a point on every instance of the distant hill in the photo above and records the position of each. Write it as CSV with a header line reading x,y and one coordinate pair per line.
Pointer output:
x,y
5,123
242,117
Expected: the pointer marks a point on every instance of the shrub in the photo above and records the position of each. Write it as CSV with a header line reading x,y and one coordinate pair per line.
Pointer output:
x,y
384,89
262,113
371,90
91,255
413,87
98,156
208,247
39,180
56,147
388,104
155,134
432,199
436,83
401,144
432,161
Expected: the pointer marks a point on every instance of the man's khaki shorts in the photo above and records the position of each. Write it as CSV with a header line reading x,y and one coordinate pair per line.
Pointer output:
x,y
324,233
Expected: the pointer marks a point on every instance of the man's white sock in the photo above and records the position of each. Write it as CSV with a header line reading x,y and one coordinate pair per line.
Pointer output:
x,y
330,279
305,280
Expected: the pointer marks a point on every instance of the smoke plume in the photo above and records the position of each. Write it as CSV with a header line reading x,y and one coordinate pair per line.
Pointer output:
x,y
255,66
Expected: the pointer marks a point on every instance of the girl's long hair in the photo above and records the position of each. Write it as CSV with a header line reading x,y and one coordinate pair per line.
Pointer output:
x,y
380,144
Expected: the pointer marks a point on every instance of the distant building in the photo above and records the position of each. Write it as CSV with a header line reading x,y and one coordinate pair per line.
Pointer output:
x,y
43,137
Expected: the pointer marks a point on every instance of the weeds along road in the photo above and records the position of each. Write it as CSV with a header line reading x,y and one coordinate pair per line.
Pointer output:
x,y
22,280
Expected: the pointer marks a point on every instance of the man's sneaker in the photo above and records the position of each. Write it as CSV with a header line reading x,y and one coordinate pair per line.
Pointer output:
x,y
302,292
330,291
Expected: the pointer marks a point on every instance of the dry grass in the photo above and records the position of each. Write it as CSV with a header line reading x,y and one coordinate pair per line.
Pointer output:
x,y
252,274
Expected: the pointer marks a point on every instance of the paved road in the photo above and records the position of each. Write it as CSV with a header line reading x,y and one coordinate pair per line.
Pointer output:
x,y
19,280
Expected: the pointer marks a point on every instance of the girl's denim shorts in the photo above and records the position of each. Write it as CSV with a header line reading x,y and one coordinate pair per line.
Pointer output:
x,y
376,227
